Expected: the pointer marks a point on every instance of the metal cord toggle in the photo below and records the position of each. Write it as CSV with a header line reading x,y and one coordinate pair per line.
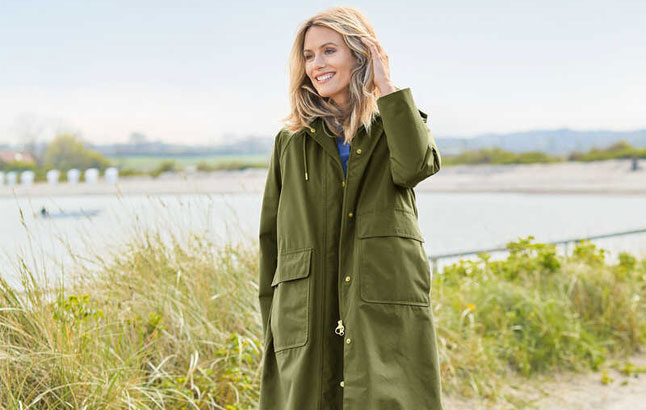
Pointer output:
x,y
340,330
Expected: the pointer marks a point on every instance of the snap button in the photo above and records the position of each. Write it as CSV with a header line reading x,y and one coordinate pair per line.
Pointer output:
x,y
358,151
350,214
342,384
348,341
347,278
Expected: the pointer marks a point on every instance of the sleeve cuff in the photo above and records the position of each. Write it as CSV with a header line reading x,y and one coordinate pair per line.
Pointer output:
x,y
395,94
390,101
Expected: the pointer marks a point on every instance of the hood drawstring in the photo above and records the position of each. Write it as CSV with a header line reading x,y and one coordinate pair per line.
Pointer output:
x,y
305,154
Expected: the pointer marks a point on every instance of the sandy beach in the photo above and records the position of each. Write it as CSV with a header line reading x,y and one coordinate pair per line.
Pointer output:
x,y
573,391
599,177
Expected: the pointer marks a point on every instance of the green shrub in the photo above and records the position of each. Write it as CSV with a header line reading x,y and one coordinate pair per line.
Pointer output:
x,y
164,166
536,311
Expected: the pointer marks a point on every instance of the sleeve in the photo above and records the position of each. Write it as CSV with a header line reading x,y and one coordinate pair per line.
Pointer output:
x,y
268,244
414,156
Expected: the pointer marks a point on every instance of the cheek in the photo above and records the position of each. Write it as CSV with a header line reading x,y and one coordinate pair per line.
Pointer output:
x,y
346,73
347,69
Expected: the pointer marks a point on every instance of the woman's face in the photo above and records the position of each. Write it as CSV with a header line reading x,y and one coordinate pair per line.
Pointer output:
x,y
326,53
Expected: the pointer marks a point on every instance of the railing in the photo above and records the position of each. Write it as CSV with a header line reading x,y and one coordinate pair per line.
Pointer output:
x,y
566,242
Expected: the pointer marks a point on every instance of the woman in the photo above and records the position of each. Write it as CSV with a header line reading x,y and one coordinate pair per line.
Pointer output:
x,y
344,283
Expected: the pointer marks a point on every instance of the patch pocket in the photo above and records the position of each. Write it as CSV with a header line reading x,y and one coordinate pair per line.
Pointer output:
x,y
393,265
291,302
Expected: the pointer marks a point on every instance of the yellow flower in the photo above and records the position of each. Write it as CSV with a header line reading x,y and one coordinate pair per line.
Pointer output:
x,y
471,307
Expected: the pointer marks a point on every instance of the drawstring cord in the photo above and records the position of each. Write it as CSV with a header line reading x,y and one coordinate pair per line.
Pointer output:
x,y
305,154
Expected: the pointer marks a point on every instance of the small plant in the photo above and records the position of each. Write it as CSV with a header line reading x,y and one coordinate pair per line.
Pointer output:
x,y
164,166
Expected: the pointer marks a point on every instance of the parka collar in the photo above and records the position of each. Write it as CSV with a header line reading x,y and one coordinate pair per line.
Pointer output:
x,y
316,129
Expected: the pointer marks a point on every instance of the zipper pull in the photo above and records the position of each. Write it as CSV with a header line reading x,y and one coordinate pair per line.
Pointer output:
x,y
339,329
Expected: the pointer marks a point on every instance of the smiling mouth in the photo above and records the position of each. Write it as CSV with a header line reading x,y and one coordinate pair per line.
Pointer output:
x,y
324,78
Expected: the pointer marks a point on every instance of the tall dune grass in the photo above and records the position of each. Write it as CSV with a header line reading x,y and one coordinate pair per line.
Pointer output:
x,y
175,324
163,325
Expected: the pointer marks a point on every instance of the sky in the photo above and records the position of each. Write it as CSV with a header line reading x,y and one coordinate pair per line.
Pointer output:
x,y
204,72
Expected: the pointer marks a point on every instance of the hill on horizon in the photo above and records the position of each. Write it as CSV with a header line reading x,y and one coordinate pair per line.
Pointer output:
x,y
560,141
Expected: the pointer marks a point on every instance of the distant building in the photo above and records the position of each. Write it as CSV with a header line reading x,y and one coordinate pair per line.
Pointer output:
x,y
12,178
91,175
111,175
73,176
53,176
27,177
8,156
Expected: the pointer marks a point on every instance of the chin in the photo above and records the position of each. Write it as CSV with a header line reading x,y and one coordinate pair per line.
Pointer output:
x,y
327,93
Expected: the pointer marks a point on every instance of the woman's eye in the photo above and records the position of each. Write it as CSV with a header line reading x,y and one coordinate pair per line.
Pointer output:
x,y
307,57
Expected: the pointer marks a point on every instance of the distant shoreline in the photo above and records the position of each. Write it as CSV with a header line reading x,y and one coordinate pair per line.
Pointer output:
x,y
612,177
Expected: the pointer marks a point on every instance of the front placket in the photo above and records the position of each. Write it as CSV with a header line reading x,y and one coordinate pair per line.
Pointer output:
x,y
348,217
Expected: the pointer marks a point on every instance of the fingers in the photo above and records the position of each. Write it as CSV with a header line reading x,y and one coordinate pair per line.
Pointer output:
x,y
376,55
369,43
380,60
375,46
374,52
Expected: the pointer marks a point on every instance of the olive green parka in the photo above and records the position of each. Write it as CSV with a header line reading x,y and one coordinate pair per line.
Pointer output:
x,y
344,280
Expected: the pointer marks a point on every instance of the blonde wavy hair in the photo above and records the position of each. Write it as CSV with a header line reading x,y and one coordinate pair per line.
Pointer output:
x,y
307,104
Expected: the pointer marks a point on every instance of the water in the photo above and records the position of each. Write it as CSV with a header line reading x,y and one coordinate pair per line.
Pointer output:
x,y
52,244
450,222
469,221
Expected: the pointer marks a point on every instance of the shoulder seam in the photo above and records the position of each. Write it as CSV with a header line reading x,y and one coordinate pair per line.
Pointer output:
x,y
290,137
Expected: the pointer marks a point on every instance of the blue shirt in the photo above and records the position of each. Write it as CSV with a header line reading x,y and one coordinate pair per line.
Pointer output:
x,y
344,152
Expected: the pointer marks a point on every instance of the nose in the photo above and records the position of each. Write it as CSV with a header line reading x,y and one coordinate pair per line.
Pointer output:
x,y
319,62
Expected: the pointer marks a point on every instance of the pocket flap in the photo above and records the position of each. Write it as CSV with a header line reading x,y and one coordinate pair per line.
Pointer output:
x,y
392,222
292,265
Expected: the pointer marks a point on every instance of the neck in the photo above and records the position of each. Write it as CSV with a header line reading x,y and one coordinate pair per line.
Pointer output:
x,y
342,105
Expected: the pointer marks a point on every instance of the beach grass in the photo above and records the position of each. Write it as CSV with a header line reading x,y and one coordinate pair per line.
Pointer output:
x,y
174,323
162,325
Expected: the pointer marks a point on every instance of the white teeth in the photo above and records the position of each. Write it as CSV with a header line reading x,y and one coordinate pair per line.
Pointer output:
x,y
325,77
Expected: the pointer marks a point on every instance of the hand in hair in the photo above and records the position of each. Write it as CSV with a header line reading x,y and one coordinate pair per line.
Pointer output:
x,y
380,65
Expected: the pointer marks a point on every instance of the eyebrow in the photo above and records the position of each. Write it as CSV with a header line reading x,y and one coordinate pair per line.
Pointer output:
x,y
329,42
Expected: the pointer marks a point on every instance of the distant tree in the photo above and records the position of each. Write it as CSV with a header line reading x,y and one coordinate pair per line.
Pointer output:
x,y
28,127
497,155
619,146
137,138
576,156
66,152
18,166
619,149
